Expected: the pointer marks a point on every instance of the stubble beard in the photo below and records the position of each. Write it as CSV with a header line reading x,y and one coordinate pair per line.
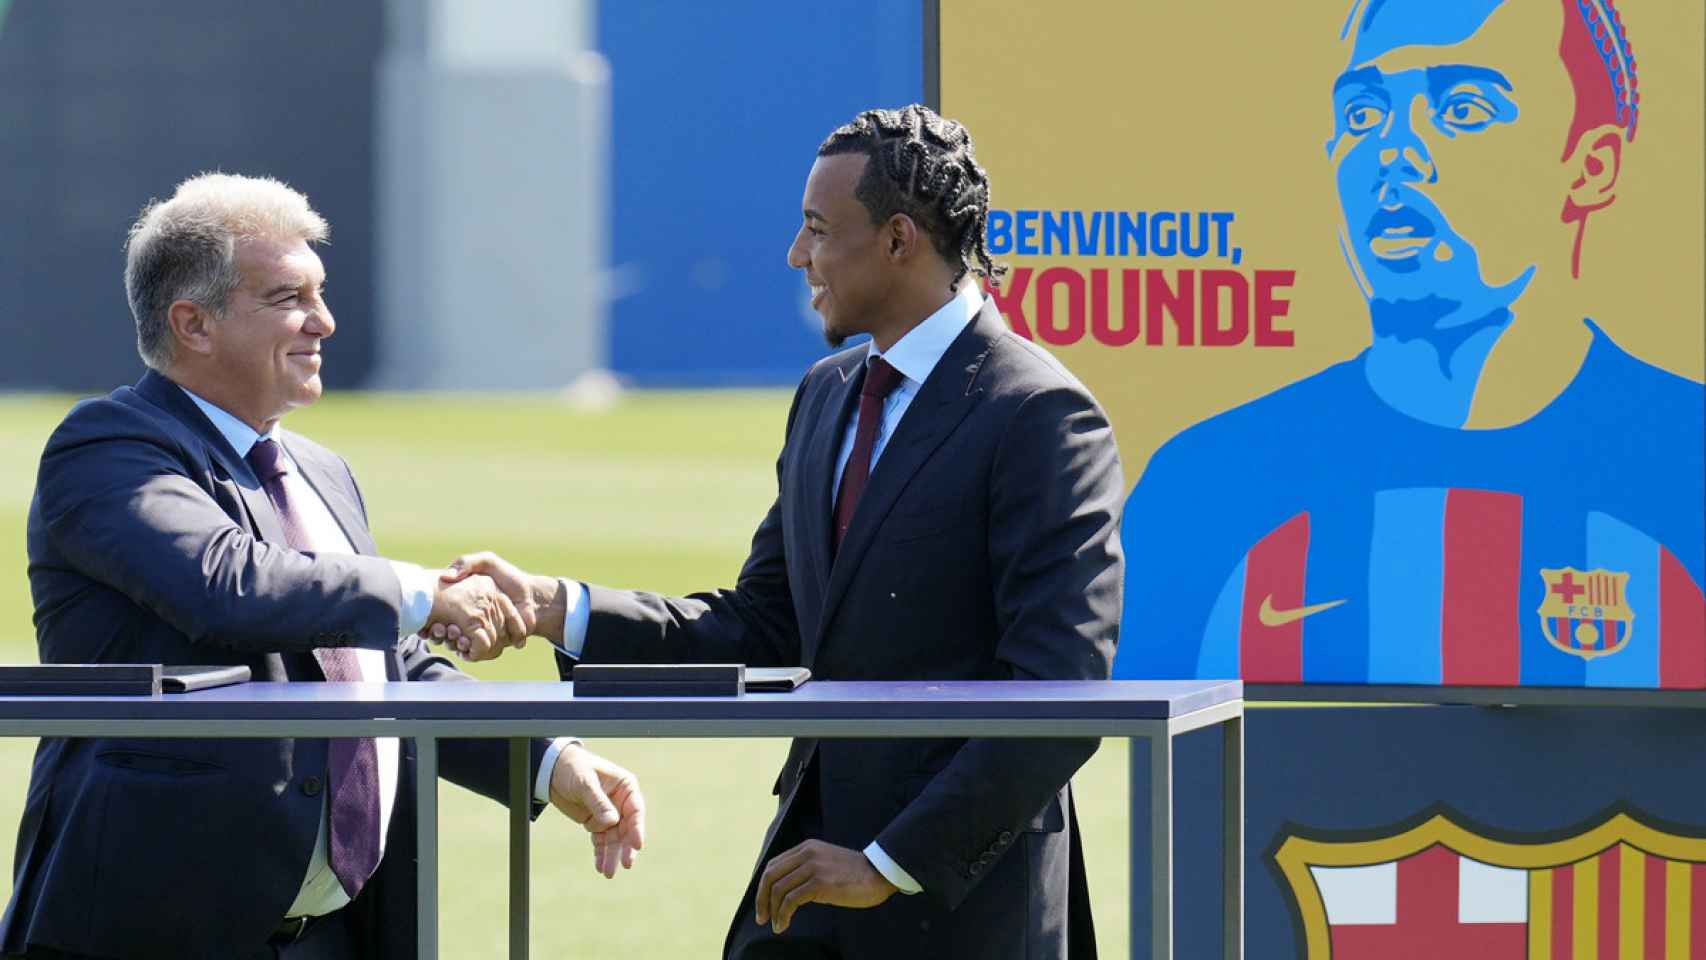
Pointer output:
x,y
833,335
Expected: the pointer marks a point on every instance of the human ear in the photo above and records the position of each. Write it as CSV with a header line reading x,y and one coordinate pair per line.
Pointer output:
x,y
900,235
1595,164
192,326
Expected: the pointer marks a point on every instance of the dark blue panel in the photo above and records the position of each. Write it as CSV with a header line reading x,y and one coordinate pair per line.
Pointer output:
x,y
106,105
716,116
1518,774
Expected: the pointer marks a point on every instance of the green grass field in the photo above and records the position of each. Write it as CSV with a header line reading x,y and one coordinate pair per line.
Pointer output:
x,y
662,491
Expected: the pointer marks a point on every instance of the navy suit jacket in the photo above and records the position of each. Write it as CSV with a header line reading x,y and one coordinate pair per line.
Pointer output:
x,y
150,541
985,547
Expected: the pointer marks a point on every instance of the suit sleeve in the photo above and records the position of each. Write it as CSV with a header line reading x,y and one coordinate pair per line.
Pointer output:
x,y
1057,569
121,506
753,623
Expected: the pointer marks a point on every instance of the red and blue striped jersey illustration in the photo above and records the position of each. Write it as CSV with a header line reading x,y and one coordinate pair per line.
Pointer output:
x,y
1316,535
1448,594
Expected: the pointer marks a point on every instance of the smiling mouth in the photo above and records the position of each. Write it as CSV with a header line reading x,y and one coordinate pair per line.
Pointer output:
x,y
818,290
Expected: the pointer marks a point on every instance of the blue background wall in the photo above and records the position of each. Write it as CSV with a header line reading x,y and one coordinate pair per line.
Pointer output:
x,y
717,111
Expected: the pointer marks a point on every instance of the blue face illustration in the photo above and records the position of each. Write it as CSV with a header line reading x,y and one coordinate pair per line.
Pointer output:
x,y
1417,115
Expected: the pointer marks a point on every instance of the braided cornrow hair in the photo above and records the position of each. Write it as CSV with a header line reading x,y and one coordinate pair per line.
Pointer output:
x,y
923,165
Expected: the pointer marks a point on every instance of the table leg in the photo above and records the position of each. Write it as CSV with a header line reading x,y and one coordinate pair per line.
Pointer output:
x,y
520,807
1232,829
426,846
1161,846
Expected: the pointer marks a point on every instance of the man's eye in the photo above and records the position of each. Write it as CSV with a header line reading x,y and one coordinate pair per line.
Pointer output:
x,y
1467,111
1363,117
814,231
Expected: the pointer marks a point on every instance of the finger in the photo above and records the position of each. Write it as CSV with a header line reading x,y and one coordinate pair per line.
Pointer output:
x,y
603,858
773,870
479,642
785,882
514,629
798,897
580,788
603,813
633,804
761,898
453,633
438,632
465,565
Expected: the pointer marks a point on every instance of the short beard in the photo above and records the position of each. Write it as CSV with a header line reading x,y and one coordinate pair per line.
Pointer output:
x,y
835,338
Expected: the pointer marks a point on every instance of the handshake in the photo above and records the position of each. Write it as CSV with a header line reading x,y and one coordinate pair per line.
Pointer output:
x,y
485,604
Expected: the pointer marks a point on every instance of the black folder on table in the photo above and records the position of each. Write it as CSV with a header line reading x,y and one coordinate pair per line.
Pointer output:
x,y
683,679
112,679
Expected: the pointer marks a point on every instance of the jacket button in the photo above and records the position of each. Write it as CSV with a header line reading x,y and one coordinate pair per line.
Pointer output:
x,y
1005,838
976,867
312,786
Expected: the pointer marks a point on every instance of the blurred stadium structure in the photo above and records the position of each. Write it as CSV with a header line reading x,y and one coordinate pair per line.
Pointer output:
x,y
520,191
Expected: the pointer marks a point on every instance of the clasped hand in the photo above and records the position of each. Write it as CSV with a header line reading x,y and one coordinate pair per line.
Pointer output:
x,y
475,617
491,605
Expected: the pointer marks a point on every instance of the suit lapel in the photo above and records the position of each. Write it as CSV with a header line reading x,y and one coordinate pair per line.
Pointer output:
x,y
942,403
820,462
327,481
225,463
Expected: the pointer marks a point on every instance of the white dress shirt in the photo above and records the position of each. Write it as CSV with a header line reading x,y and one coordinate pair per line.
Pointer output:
x,y
321,892
914,356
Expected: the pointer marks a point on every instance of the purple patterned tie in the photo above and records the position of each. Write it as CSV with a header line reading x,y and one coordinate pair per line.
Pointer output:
x,y
354,762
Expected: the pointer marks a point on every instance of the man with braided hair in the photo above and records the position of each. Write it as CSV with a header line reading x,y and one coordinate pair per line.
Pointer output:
x,y
1425,510
945,510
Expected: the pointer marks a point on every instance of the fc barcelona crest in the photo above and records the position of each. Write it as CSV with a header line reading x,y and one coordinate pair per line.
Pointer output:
x,y
1586,613
1619,889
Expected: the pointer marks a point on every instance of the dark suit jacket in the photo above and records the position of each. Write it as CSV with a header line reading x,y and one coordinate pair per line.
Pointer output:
x,y
150,541
985,548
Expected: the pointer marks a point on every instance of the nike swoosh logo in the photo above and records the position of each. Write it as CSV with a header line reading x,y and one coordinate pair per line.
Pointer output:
x,y
1279,618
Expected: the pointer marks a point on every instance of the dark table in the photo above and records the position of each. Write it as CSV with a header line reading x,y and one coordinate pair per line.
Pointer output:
x,y
1150,710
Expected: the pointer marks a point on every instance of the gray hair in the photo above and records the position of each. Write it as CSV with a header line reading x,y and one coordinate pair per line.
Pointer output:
x,y
185,248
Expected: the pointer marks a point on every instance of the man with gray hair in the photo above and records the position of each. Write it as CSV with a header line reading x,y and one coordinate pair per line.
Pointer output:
x,y
175,522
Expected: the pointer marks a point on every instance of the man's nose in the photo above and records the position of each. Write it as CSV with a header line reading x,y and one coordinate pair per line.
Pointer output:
x,y
1404,156
320,322
797,251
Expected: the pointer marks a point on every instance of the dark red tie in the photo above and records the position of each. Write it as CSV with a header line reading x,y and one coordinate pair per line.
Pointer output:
x,y
353,845
880,381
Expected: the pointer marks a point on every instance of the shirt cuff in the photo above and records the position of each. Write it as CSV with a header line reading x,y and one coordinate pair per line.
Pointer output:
x,y
548,763
419,587
575,617
890,870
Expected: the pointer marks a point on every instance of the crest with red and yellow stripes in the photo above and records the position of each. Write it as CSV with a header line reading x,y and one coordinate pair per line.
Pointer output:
x,y
1621,890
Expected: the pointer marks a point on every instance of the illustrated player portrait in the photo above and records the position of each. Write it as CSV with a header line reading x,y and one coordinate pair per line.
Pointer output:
x,y
1493,492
